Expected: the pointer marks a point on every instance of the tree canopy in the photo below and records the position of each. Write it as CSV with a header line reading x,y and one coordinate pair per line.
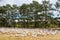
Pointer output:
x,y
33,15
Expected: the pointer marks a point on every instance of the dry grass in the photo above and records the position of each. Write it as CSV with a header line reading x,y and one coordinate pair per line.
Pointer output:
x,y
46,37
7,36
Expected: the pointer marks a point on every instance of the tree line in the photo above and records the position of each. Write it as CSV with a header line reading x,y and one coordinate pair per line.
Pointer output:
x,y
33,15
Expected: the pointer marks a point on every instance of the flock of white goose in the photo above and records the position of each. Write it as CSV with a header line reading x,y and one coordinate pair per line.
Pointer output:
x,y
28,32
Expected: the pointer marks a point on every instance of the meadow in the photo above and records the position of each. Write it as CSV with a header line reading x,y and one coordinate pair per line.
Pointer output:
x,y
5,35
46,37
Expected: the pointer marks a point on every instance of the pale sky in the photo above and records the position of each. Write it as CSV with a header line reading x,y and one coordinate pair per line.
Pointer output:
x,y
20,2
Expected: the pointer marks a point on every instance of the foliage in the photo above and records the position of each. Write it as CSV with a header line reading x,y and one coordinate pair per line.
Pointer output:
x,y
10,13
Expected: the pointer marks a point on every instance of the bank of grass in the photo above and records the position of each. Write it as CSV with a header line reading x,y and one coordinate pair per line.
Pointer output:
x,y
46,37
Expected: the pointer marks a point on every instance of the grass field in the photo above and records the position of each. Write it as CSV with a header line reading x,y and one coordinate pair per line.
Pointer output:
x,y
46,37
8,36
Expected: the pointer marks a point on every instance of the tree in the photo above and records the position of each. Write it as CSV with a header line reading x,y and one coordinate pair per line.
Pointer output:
x,y
47,16
57,5
36,7
24,11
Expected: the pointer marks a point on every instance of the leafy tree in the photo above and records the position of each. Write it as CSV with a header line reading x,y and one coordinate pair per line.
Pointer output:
x,y
24,10
57,5
47,16
36,7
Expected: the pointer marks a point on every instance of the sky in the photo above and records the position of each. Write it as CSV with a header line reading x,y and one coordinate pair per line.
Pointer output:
x,y
20,2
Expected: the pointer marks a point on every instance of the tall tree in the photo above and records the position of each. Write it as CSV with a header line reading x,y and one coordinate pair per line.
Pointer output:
x,y
47,16
24,10
36,7
57,5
